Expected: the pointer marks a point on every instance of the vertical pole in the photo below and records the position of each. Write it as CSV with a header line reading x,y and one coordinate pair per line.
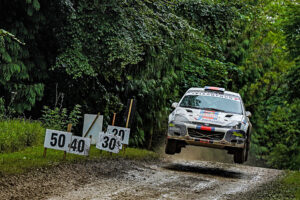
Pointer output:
x,y
129,112
114,119
90,149
45,152
69,128
127,122
113,123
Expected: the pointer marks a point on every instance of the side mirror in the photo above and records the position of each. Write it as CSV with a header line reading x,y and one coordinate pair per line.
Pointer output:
x,y
248,114
174,105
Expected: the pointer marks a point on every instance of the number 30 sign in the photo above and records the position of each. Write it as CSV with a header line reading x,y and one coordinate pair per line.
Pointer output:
x,y
108,142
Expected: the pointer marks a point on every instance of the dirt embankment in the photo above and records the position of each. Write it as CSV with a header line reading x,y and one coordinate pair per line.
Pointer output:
x,y
125,179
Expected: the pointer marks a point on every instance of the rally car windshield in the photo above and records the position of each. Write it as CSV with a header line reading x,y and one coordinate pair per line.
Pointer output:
x,y
220,103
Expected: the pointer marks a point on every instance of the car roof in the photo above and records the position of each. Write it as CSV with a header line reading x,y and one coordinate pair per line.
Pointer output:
x,y
195,90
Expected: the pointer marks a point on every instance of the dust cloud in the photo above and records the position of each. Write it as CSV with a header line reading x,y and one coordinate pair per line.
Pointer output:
x,y
203,153
190,153
194,153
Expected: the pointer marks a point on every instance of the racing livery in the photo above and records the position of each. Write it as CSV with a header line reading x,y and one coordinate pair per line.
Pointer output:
x,y
210,117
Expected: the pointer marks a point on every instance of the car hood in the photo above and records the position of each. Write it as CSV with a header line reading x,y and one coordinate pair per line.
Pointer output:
x,y
198,116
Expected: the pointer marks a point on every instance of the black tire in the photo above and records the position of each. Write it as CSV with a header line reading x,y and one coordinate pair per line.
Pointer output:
x,y
178,149
247,147
247,150
240,155
170,147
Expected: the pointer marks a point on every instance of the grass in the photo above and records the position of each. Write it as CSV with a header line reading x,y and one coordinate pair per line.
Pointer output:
x,y
32,158
285,188
17,134
292,183
21,149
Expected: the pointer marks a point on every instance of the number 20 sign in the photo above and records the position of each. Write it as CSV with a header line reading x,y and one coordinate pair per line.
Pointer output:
x,y
122,132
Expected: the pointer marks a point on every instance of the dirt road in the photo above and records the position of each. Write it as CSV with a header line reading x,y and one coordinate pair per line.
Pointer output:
x,y
124,179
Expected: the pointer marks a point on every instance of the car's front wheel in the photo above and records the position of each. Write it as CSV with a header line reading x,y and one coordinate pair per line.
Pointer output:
x,y
171,147
178,149
240,155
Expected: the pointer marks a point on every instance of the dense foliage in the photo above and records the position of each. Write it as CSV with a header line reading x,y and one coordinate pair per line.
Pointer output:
x,y
98,54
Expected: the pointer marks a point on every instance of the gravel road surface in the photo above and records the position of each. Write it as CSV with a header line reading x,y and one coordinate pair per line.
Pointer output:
x,y
125,179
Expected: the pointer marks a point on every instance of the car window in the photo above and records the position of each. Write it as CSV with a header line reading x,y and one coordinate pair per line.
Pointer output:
x,y
219,103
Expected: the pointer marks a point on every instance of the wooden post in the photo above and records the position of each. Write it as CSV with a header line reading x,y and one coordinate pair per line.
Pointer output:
x,y
114,119
69,128
89,149
127,122
45,152
113,123
129,112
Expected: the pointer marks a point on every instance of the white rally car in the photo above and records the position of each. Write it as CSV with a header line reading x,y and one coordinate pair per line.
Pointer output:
x,y
210,117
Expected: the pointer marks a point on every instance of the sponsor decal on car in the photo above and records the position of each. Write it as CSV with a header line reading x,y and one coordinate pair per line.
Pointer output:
x,y
213,94
208,115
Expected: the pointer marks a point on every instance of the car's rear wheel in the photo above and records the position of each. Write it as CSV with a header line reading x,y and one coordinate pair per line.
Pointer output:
x,y
171,147
247,147
240,155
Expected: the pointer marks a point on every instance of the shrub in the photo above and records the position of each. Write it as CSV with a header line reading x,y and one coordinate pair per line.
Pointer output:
x,y
18,134
59,119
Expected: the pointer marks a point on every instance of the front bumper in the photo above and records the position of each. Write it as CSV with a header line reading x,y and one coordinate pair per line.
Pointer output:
x,y
215,137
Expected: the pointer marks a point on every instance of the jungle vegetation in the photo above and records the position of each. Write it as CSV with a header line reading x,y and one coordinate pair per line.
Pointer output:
x,y
94,55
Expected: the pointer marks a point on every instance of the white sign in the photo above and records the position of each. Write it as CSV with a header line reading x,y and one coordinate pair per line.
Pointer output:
x,y
97,127
108,142
80,145
122,132
59,140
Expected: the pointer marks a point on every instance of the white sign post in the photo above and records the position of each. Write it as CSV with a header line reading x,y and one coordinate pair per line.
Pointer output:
x,y
108,142
122,132
93,129
58,140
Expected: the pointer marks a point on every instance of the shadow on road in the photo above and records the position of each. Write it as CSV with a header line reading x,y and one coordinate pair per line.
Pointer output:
x,y
204,170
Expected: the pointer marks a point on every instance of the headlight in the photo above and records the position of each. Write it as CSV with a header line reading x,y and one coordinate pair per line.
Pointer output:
x,y
177,128
238,126
234,125
180,118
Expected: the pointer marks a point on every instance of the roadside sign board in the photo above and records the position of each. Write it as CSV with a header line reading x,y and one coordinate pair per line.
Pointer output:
x,y
122,132
80,145
95,129
108,142
58,140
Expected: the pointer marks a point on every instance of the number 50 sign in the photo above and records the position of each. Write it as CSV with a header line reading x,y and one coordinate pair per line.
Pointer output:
x,y
58,140
64,141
